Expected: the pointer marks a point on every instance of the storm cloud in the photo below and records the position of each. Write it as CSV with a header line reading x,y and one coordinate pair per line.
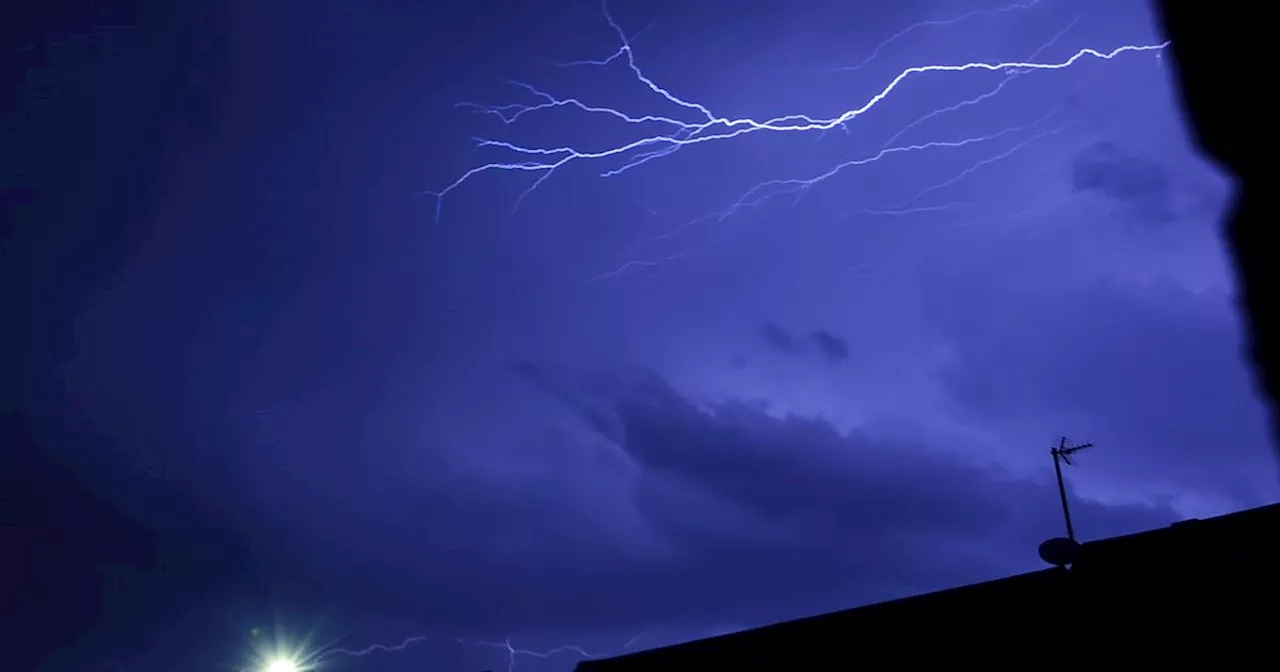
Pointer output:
x,y
1153,370
780,339
834,347
1137,182
740,509
655,393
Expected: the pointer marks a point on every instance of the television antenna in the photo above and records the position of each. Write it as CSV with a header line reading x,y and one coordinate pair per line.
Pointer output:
x,y
1062,453
1062,551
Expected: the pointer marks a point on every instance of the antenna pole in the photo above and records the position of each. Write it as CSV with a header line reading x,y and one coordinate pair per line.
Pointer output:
x,y
1062,489
1062,453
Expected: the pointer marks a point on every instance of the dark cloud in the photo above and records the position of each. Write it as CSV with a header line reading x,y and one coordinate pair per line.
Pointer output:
x,y
772,516
781,339
1152,371
832,346
1140,183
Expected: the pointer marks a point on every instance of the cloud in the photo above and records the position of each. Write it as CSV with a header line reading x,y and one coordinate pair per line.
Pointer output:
x,y
1148,368
1140,183
781,339
763,517
834,347
831,346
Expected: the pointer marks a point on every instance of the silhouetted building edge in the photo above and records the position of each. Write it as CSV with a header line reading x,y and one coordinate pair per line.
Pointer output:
x,y
1205,574
1216,49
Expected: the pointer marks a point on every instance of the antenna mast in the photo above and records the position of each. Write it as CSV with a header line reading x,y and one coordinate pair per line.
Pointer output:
x,y
1062,453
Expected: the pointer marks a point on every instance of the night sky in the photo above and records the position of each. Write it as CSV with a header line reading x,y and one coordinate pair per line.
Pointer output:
x,y
290,366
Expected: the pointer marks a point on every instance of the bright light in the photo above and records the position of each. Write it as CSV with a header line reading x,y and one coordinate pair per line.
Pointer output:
x,y
282,665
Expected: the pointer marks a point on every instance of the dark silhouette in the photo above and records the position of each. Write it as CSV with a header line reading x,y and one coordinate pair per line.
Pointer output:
x,y
1215,46
1062,453
71,561
1127,594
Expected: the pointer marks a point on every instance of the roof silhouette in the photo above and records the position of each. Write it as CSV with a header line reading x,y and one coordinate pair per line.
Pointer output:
x,y
1194,572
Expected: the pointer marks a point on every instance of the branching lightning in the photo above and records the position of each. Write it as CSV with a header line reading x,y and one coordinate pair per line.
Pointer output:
x,y
694,133
280,657
760,193
1013,75
979,164
933,23
372,648
799,186
944,207
864,271
690,123
637,263
514,652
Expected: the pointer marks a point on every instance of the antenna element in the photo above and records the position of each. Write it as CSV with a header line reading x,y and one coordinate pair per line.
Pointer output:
x,y
1062,453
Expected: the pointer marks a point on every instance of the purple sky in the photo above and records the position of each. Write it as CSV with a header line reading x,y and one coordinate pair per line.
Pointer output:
x,y
628,413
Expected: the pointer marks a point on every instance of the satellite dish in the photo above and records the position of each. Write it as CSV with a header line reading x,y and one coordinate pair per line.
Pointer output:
x,y
1059,551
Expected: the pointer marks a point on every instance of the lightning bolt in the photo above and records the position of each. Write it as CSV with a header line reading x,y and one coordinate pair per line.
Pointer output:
x,y
514,653
634,639
1013,75
944,207
319,658
372,648
979,164
933,23
708,128
689,123
940,245
637,264
760,193
800,186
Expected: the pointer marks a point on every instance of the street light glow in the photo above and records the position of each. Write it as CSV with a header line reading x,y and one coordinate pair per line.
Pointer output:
x,y
282,665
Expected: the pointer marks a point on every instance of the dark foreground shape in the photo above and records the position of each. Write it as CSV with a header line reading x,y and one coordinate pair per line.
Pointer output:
x,y
1219,59
1197,588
